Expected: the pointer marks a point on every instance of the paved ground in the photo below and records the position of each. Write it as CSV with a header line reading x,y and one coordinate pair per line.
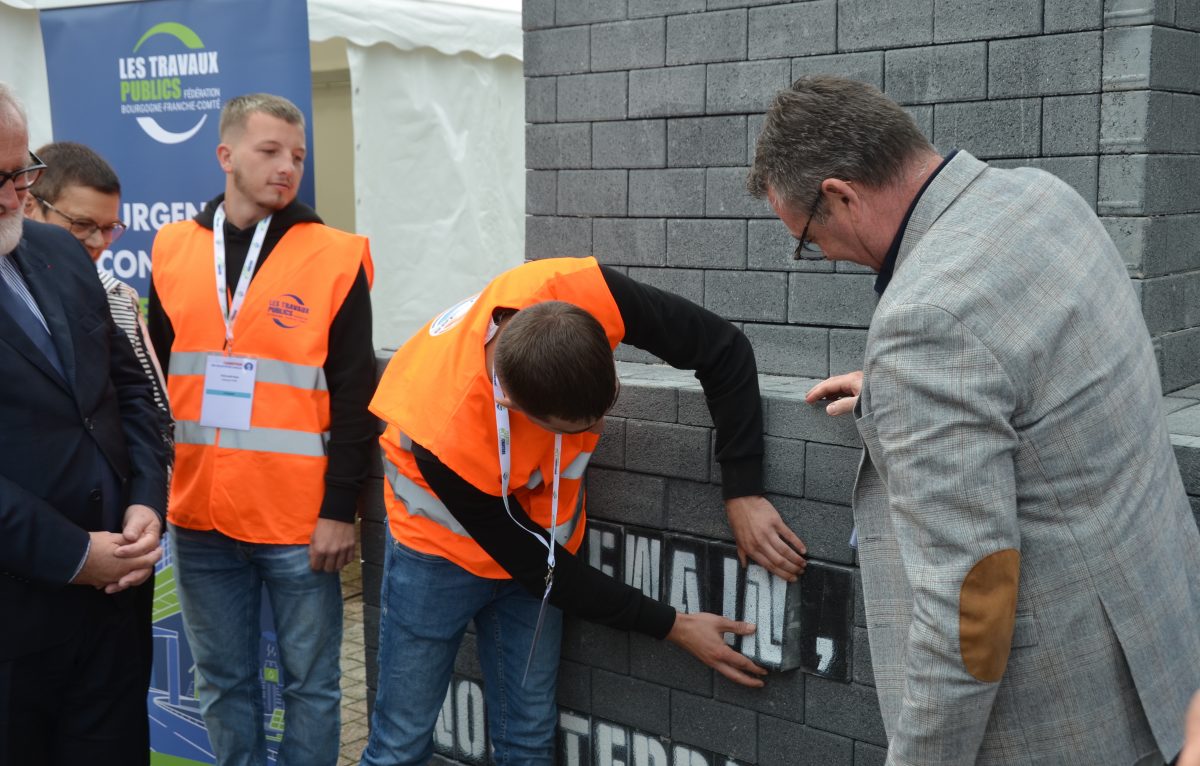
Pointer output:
x,y
354,670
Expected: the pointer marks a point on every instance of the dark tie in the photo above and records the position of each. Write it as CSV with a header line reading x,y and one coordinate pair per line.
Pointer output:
x,y
20,312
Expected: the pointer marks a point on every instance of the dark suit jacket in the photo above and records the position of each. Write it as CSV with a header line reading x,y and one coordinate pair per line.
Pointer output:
x,y
64,442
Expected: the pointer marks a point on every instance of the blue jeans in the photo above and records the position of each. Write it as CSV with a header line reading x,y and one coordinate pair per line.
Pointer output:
x,y
427,602
220,581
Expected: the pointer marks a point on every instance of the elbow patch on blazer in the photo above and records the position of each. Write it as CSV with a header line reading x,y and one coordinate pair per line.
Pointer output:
x,y
987,609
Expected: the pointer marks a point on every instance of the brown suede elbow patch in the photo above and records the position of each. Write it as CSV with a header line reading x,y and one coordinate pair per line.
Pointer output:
x,y
987,608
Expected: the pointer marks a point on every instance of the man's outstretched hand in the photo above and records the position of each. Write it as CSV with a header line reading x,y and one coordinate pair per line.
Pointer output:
x,y
703,635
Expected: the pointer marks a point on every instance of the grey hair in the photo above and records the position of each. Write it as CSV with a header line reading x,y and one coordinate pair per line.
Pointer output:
x,y
238,110
9,99
831,127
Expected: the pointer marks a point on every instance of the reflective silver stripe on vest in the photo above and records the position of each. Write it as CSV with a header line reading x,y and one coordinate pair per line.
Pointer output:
x,y
279,440
302,376
420,502
573,471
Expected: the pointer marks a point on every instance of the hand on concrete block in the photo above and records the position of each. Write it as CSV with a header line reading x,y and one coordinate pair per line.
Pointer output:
x,y
702,634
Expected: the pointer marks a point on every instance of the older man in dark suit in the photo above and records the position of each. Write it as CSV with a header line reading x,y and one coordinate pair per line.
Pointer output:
x,y
82,486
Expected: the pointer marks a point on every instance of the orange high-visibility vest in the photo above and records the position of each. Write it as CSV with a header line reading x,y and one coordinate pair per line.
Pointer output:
x,y
436,392
264,485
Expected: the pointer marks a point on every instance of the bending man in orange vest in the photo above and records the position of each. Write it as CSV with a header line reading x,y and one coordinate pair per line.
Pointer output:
x,y
261,316
493,410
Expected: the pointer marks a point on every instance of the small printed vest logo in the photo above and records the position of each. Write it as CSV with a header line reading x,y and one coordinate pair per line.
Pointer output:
x,y
451,316
288,311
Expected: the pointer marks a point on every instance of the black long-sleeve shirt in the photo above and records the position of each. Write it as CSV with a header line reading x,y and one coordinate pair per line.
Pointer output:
x,y
349,366
688,337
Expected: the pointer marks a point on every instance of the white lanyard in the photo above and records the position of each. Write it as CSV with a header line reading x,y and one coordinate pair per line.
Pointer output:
x,y
229,311
504,446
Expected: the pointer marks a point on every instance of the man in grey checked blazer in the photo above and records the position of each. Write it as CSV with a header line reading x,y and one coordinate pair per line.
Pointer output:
x,y
1030,563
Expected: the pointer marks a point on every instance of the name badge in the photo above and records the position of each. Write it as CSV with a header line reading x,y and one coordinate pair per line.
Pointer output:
x,y
228,392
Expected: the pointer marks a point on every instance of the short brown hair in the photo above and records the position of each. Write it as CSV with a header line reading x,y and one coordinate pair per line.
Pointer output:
x,y
554,360
237,110
831,127
70,164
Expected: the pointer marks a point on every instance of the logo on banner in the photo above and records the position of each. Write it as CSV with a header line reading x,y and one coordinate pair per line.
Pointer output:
x,y
288,311
181,81
452,316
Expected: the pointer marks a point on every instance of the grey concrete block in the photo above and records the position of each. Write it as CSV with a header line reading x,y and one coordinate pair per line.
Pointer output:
x,y
769,245
556,51
670,92
667,449
693,407
687,283
841,300
1046,65
1159,245
1072,15
549,237
550,147
629,45
1171,303
1081,173
866,24
714,244
593,97
719,4
923,117
627,498
610,452
726,195
704,37
754,126
640,8
540,99
1156,184
574,686
865,67
642,558
541,192
830,472
745,87
640,401
714,725
753,296
1142,121
990,129
782,696
869,755
667,665
629,144
1071,124
846,350
824,527
864,673
604,547
1126,59
631,701
783,466
627,353
631,242
572,12
596,645
791,417
783,743
706,141
798,29
592,192
1176,60
1118,13
374,539
536,14
466,662
937,73
673,192
971,20
848,709
783,350
697,509
1187,15
1187,453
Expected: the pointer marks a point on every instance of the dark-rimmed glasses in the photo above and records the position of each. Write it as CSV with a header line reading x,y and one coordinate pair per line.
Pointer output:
x,y
25,177
804,245
83,228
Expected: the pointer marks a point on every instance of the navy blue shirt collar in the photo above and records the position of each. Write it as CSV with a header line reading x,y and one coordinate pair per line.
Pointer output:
x,y
889,260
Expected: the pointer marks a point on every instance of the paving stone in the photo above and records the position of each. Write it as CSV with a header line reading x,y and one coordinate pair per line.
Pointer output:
x,y
745,87
631,144
782,743
556,51
630,242
1046,65
669,92
706,141
971,20
798,29
937,73
865,67
704,37
866,24
990,129
629,45
714,725
719,244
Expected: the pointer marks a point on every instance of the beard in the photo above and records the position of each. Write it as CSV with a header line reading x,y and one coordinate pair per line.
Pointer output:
x,y
269,198
11,227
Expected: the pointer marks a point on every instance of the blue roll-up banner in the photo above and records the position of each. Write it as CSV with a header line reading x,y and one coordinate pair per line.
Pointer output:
x,y
143,84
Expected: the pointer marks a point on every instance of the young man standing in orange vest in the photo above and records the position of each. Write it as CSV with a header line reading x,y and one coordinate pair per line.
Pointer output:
x,y
261,316
493,410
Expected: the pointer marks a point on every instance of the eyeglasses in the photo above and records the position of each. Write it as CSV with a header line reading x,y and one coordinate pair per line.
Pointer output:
x,y
25,177
84,228
805,246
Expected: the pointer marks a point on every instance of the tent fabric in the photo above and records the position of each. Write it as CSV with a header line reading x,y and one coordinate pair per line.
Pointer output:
x,y
447,27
